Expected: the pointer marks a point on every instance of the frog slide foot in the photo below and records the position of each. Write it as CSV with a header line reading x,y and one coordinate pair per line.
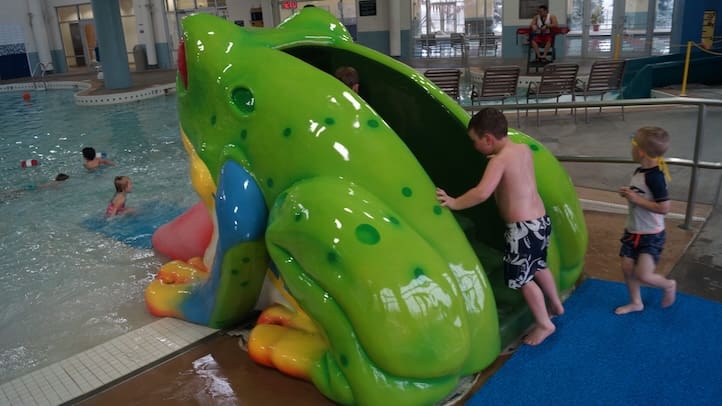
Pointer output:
x,y
384,315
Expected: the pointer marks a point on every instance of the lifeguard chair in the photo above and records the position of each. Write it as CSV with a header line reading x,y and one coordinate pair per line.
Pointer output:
x,y
524,36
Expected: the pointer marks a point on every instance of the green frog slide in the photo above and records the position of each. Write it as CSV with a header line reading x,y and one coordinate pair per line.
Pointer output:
x,y
325,216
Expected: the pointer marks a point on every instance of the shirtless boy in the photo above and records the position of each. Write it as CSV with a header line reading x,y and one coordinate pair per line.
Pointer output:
x,y
509,175
92,161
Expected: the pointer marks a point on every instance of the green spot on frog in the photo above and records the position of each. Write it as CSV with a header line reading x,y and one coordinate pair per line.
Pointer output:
x,y
418,272
332,257
406,191
243,100
367,234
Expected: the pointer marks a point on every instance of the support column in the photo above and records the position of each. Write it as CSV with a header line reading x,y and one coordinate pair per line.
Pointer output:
x,y
37,23
163,48
395,29
111,42
146,34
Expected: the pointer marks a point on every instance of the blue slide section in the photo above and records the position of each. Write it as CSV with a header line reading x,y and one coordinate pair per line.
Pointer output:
x,y
641,75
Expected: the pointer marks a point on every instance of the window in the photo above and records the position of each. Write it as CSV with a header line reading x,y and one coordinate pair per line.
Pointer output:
x,y
66,14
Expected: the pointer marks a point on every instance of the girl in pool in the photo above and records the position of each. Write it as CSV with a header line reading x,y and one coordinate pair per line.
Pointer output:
x,y
123,185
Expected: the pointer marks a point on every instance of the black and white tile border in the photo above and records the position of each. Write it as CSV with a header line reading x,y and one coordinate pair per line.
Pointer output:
x,y
95,100
102,365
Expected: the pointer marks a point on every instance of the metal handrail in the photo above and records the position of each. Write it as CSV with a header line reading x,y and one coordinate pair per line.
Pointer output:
x,y
695,163
43,68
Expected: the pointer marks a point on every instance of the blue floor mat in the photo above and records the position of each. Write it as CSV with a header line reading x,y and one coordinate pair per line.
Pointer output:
x,y
655,357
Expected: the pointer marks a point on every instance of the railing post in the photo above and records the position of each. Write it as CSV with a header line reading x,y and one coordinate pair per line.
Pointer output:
x,y
701,114
683,92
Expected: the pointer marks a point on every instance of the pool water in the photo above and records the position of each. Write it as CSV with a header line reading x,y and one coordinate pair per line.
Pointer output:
x,y
65,287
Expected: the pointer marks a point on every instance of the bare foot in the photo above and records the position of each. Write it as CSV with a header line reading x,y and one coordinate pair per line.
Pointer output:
x,y
670,294
556,309
538,334
629,308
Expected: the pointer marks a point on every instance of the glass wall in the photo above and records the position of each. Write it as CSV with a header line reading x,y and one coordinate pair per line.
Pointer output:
x,y
78,34
621,28
344,10
456,28
177,9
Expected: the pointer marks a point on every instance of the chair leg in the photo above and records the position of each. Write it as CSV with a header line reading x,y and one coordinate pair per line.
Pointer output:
x,y
622,113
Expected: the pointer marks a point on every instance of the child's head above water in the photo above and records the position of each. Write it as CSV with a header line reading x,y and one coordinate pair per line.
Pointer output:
x,y
61,177
89,153
122,184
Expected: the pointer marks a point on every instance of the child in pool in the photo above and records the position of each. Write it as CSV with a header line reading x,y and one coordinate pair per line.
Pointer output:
x,y
123,185
92,160
61,177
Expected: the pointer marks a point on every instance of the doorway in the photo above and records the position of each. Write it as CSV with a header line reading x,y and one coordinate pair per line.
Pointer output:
x,y
80,44
90,43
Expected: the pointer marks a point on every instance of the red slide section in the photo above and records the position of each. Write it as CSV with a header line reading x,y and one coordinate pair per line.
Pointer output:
x,y
187,236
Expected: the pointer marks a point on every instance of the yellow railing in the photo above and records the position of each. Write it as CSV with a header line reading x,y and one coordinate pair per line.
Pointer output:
x,y
702,48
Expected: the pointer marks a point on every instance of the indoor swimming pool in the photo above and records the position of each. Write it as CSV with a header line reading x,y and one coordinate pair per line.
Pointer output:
x,y
67,287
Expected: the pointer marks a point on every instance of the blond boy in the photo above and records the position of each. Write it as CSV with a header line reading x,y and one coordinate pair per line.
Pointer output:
x,y
644,234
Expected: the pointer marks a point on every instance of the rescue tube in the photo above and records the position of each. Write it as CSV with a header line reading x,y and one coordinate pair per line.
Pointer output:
x,y
27,163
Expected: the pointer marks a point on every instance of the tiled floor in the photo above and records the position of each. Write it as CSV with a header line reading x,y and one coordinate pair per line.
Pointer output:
x,y
102,365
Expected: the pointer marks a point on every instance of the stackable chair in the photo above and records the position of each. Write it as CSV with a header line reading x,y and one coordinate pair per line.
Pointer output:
x,y
557,79
605,76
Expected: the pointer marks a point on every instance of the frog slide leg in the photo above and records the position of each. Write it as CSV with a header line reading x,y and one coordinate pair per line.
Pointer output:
x,y
397,326
188,291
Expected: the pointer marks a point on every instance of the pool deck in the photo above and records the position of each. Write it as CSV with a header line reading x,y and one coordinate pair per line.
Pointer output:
x,y
208,367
